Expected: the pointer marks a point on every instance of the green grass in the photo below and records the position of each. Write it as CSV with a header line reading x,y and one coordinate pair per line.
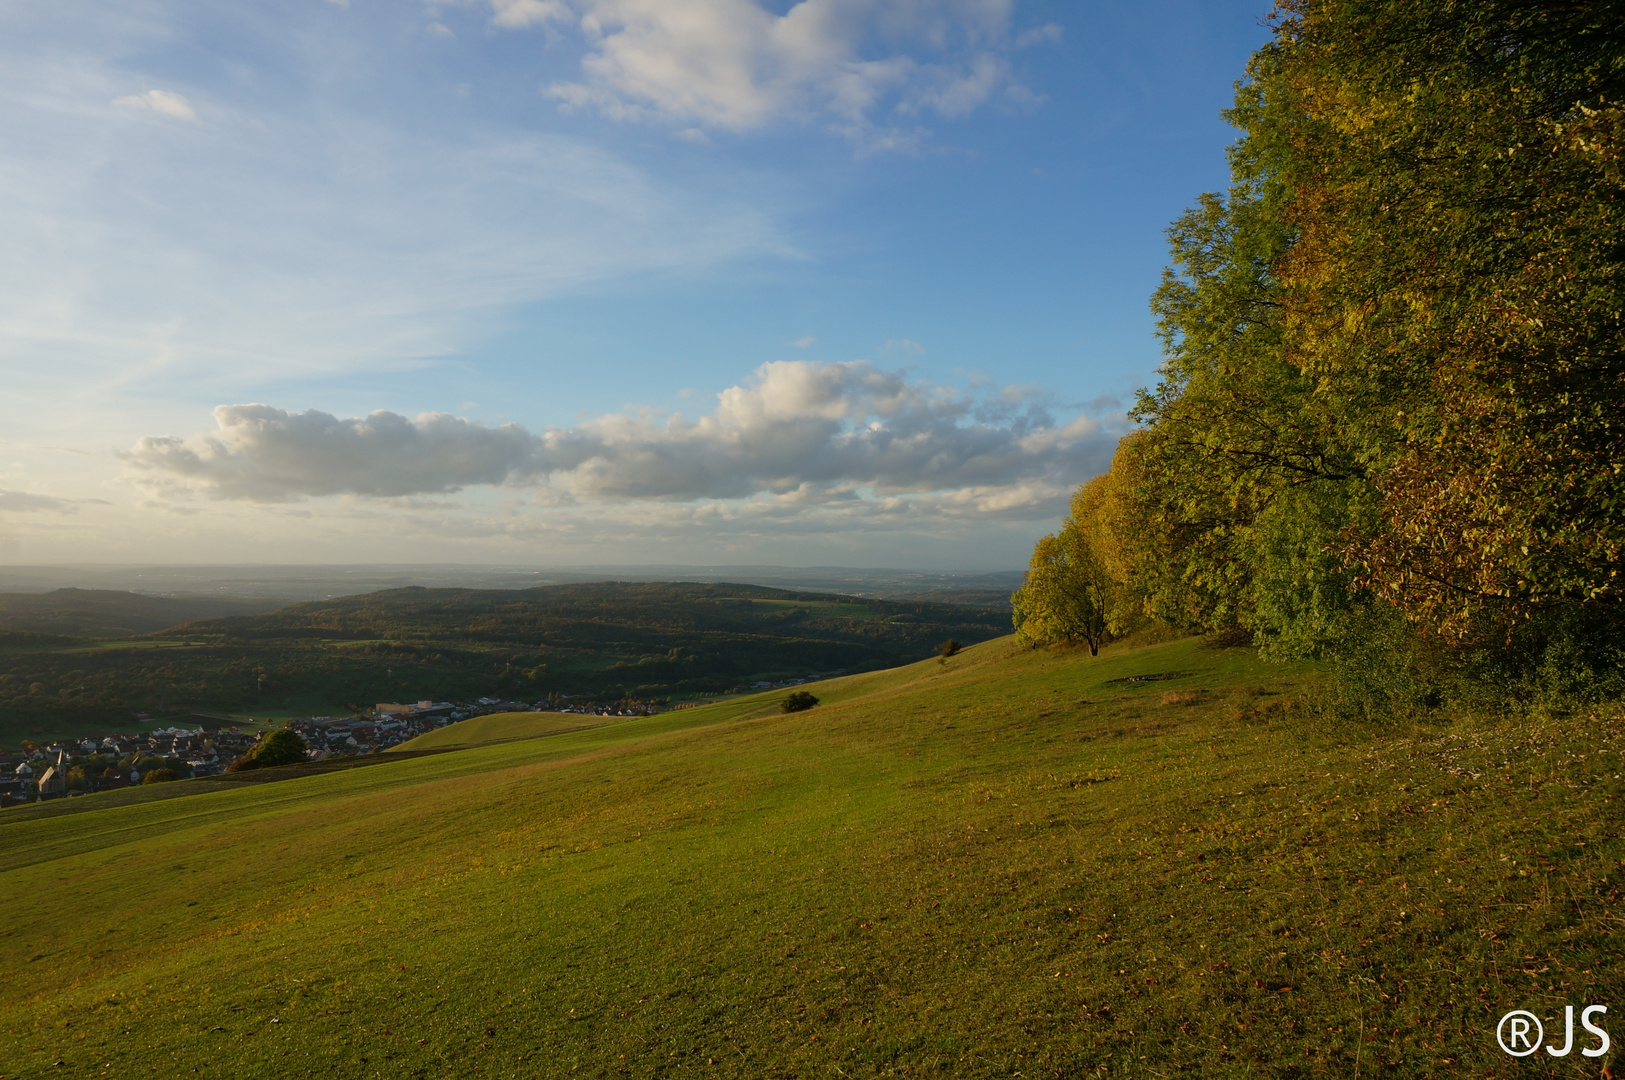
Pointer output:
x,y
502,727
1008,864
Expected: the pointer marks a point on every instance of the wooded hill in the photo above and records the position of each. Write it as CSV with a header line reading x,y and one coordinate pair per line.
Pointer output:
x,y
113,613
608,640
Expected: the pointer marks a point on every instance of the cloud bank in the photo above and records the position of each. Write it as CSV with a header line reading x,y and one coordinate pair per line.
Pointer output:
x,y
736,65
800,434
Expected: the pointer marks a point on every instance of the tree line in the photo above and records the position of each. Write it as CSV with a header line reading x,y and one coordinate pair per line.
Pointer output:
x,y
1387,431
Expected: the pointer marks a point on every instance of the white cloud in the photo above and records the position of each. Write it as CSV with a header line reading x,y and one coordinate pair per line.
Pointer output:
x,y
804,342
734,64
163,102
848,436
1048,34
903,345
262,454
290,244
27,502
517,14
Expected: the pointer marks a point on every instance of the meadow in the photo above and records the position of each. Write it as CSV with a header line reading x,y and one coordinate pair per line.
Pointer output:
x,y
1010,863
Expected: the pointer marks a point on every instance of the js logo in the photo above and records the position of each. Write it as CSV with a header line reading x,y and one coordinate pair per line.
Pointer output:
x,y
1521,1033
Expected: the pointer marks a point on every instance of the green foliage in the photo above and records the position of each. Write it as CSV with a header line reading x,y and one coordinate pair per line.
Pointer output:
x,y
1064,598
159,776
1388,428
143,763
798,701
1081,585
278,747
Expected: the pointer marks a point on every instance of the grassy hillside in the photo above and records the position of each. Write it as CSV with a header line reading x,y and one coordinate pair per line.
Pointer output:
x,y
608,640
109,613
500,727
1008,864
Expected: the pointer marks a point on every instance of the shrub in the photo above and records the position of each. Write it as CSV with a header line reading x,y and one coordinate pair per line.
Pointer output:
x,y
800,701
159,776
948,648
279,747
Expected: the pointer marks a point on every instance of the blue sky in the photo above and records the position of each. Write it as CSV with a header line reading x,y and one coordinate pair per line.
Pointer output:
x,y
706,281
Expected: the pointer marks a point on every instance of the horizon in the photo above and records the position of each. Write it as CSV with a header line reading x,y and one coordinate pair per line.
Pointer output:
x,y
304,582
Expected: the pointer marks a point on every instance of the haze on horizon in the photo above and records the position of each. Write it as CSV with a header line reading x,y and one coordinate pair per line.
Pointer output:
x,y
585,282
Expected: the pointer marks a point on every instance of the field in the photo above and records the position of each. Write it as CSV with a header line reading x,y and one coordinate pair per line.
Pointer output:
x,y
501,727
1011,863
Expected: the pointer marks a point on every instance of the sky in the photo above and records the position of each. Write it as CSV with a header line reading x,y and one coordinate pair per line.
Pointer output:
x,y
575,282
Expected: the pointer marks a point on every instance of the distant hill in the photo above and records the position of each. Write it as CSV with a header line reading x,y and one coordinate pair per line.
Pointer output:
x,y
109,613
605,641
616,614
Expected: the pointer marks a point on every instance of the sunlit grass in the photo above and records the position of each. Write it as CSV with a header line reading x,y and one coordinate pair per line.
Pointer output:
x,y
1007,864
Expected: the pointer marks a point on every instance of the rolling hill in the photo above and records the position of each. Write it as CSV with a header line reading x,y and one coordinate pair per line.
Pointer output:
x,y
110,613
604,641
1011,863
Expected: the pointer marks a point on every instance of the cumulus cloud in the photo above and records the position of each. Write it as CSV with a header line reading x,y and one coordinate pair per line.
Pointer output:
x,y
737,65
800,434
162,102
262,454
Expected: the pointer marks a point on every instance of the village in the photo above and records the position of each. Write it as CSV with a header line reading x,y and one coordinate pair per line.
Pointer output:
x,y
207,745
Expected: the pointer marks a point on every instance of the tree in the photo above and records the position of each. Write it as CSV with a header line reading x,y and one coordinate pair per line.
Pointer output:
x,y
948,648
798,701
1066,595
1456,281
279,747
158,776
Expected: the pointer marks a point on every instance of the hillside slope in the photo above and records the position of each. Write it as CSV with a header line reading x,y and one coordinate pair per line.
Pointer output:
x,y
1009,864
501,727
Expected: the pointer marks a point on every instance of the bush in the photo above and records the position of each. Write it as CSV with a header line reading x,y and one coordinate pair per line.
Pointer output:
x,y
948,648
279,747
800,701
159,776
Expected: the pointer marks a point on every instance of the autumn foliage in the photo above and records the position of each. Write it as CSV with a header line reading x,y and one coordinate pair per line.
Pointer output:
x,y
1393,404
